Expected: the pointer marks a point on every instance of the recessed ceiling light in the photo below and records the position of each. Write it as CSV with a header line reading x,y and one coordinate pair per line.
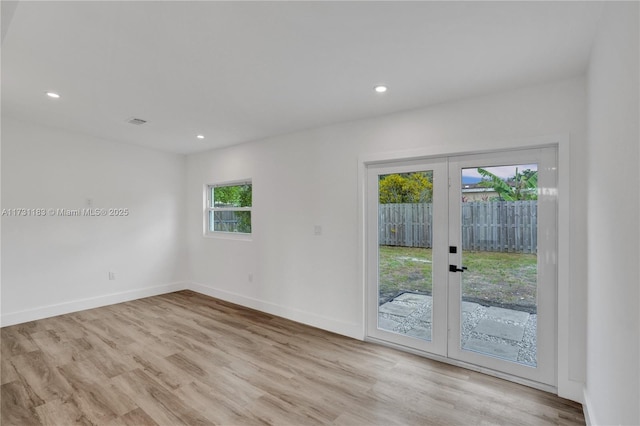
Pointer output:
x,y
380,88
53,95
200,136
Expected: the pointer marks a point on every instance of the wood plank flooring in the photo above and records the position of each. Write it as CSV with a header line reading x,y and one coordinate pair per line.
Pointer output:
x,y
185,358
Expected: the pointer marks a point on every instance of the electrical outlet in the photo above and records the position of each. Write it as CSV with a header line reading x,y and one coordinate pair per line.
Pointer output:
x,y
317,230
112,276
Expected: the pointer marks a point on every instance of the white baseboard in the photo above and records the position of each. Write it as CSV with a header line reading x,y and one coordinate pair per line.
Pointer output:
x,y
352,330
90,303
587,408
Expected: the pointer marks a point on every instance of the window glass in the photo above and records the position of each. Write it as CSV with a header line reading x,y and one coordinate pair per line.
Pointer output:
x,y
229,207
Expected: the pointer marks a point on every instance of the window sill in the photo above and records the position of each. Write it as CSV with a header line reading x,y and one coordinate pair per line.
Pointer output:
x,y
229,236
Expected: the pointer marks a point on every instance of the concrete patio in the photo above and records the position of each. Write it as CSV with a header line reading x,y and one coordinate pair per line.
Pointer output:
x,y
503,333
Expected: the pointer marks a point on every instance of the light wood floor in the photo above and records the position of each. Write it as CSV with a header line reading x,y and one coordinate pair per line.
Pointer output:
x,y
184,358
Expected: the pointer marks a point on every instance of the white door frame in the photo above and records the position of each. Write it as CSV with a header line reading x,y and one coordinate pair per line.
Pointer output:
x,y
560,142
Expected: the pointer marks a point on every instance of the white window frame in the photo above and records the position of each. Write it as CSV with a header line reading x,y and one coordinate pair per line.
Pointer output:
x,y
208,209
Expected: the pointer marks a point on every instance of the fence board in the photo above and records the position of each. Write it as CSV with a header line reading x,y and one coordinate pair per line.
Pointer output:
x,y
502,226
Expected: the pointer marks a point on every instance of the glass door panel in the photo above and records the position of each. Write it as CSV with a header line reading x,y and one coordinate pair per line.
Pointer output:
x,y
405,278
499,250
406,254
502,279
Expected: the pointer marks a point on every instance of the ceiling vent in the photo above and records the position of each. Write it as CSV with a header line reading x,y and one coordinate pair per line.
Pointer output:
x,y
136,121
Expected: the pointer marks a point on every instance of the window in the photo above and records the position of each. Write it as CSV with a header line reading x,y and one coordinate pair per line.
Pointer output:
x,y
229,207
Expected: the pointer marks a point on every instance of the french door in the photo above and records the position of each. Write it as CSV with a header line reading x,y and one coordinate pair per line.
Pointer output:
x,y
461,259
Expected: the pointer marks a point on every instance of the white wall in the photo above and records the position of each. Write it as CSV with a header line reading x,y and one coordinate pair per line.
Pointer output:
x,y
612,393
53,265
311,178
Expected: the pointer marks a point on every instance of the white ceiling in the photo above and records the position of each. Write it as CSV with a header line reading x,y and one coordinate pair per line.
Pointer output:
x,y
242,71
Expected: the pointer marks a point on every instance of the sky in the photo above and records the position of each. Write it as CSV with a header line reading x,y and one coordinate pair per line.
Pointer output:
x,y
471,175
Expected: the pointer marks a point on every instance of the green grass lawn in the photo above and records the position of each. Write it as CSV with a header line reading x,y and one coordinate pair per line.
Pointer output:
x,y
501,279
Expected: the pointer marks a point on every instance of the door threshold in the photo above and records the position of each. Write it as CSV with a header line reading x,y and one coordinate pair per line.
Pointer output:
x,y
515,379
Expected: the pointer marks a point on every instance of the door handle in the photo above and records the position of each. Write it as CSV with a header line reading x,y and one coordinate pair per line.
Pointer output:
x,y
454,268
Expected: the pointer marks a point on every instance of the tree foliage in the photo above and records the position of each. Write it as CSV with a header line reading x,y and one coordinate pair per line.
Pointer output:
x,y
406,188
521,186
232,196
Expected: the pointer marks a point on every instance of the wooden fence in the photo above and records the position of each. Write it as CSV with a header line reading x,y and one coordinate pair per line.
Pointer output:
x,y
502,226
